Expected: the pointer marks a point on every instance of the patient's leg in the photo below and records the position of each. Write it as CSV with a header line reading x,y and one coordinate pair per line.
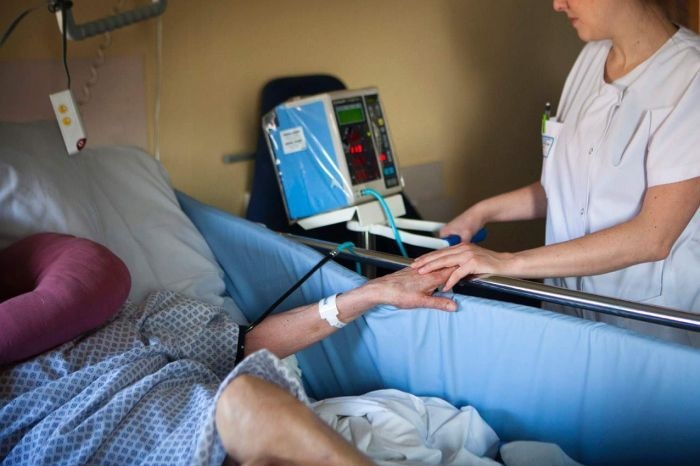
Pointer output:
x,y
261,424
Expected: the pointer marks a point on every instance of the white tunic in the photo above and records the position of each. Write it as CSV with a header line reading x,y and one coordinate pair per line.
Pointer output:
x,y
616,140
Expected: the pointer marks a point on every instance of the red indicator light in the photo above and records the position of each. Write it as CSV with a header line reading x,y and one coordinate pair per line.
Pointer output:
x,y
382,157
356,149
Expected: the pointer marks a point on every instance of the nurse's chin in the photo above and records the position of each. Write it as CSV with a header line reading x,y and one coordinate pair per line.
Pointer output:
x,y
586,35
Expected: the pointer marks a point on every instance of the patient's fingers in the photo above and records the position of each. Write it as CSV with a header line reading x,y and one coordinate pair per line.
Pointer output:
x,y
439,302
425,297
409,289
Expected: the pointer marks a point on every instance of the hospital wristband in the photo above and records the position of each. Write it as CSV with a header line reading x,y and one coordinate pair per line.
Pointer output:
x,y
329,311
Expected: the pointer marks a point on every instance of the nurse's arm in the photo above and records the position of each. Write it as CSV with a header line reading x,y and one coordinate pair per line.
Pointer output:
x,y
526,203
649,236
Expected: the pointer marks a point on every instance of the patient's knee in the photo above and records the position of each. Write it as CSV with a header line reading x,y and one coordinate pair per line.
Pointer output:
x,y
237,399
269,461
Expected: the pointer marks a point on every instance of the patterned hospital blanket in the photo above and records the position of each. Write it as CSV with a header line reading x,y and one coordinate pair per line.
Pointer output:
x,y
140,390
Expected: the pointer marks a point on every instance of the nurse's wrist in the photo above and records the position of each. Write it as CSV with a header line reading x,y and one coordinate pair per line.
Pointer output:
x,y
515,264
483,212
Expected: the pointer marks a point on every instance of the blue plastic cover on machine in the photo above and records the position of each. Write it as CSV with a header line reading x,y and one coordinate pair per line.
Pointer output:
x,y
603,394
330,151
305,159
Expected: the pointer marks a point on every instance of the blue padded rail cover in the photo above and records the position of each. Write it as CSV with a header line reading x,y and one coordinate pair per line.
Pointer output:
x,y
605,395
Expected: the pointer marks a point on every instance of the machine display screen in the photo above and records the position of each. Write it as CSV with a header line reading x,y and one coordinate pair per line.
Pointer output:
x,y
349,114
356,138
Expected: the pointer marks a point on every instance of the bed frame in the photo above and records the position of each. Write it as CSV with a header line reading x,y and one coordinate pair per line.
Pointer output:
x,y
604,394
529,289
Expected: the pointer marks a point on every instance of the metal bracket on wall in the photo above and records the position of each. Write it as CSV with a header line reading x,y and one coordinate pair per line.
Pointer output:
x,y
235,158
76,31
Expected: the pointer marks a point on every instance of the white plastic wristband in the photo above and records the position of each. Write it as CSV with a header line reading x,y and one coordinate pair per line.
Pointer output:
x,y
329,311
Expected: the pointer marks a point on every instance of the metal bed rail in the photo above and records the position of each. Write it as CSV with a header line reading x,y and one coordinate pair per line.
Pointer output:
x,y
526,288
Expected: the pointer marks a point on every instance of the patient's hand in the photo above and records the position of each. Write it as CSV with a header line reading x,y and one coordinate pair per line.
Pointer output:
x,y
405,289
288,332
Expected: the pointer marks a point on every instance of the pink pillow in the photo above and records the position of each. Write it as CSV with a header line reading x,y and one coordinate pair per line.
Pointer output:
x,y
53,287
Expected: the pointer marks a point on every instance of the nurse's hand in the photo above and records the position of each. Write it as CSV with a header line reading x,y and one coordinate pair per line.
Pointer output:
x,y
465,225
406,289
462,260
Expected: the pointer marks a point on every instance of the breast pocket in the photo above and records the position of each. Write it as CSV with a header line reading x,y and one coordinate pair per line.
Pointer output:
x,y
550,137
629,142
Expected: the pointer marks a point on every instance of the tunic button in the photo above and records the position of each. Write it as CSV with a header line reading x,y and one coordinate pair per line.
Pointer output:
x,y
590,151
581,211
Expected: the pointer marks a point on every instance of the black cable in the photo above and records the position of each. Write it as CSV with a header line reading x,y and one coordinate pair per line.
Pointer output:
x,y
291,290
240,345
15,22
65,5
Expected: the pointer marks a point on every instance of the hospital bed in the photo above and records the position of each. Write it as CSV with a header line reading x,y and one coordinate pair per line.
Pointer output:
x,y
603,394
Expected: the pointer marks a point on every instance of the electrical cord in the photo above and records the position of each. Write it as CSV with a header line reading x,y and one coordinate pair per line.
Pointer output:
x,y
63,6
294,287
159,86
389,218
66,5
240,350
99,60
10,29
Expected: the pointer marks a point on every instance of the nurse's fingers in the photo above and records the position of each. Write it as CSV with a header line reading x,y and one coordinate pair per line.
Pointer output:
x,y
431,256
455,260
417,262
448,230
447,258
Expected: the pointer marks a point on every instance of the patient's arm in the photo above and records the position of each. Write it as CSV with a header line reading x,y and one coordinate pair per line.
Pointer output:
x,y
261,424
291,331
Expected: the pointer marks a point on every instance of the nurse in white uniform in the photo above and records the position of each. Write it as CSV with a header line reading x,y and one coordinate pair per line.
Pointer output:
x,y
620,183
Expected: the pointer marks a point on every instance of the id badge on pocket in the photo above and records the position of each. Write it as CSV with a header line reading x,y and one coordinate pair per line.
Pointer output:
x,y
550,136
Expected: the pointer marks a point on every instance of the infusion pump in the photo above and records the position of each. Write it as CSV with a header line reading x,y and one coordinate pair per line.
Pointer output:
x,y
328,148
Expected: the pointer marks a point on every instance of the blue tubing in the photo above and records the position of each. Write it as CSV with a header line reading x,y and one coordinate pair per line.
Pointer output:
x,y
389,217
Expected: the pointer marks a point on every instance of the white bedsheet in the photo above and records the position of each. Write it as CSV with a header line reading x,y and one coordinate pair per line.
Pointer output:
x,y
397,428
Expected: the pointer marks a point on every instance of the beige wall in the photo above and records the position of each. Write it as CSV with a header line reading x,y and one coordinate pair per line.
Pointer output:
x,y
463,81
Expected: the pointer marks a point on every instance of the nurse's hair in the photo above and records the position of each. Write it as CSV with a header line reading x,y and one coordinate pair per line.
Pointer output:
x,y
677,11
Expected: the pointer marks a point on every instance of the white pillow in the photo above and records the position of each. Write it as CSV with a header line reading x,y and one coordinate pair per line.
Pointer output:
x,y
118,196
41,190
144,225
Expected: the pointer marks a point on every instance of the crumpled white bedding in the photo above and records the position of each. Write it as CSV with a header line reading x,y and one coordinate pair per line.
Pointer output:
x,y
397,428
